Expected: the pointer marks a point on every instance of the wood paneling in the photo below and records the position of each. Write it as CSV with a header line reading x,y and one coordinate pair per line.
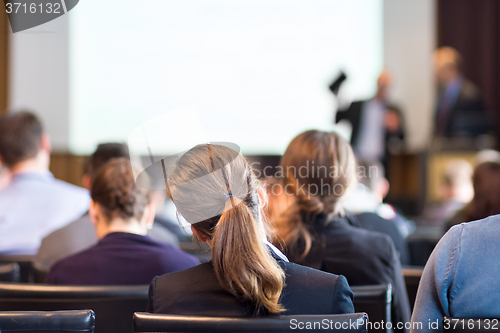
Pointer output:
x,y
68,167
4,58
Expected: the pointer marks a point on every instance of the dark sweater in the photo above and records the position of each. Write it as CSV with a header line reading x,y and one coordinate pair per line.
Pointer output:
x,y
120,259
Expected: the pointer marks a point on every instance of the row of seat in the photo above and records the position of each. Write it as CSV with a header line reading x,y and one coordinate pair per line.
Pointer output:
x,y
115,305
84,321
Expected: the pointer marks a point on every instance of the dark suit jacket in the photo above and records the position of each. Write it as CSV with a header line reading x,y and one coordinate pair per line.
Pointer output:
x,y
364,257
466,115
354,115
374,222
120,259
196,291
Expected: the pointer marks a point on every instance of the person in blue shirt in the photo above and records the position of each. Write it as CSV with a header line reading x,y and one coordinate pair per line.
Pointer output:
x,y
122,213
461,277
34,203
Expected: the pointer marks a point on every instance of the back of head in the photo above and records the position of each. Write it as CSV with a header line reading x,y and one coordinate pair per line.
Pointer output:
x,y
486,183
447,63
457,174
20,137
103,154
370,173
115,191
318,169
215,190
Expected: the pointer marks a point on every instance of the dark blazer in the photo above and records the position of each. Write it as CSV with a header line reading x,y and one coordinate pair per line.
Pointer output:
x,y
364,257
196,291
465,116
354,115
375,222
120,259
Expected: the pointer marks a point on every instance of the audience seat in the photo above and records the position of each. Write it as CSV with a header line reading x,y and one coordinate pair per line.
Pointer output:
x,y
471,325
43,322
9,272
25,263
376,301
114,306
146,322
412,277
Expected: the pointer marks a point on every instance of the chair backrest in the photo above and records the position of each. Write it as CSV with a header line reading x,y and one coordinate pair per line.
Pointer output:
x,y
25,263
412,275
352,323
376,301
41,321
113,305
469,325
9,272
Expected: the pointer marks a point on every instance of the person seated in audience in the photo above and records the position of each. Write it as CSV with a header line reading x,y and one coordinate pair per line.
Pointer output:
x,y
80,234
34,203
460,278
455,192
122,214
318,169
486,200
369,195
215,190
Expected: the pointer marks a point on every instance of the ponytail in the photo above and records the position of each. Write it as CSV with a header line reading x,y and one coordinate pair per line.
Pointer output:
x,y
242,261
199,186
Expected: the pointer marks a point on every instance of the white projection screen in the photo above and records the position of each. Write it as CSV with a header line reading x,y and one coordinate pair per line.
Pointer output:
x,y
256,71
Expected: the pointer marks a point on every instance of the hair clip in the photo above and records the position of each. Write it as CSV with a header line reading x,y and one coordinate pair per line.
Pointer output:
x,y
229,195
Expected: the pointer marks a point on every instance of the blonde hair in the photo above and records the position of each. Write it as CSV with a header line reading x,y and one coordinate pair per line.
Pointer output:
x,y
223,204
331,172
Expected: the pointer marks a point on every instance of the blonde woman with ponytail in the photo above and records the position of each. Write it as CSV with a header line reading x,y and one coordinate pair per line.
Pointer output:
x,y
319,168
215,190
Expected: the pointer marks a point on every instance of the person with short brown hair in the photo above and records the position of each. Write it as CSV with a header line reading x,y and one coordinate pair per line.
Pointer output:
x,y
34,203
122,214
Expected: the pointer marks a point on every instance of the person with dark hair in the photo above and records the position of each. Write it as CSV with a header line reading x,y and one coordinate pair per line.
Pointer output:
x,y
318,169
122,213
33,204
486,199
80,234
215,190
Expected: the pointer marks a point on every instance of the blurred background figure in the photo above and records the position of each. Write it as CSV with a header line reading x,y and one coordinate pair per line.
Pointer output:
x,y
486,200
369,195
80,234
374,123
34,203
455,192
460,110
122,213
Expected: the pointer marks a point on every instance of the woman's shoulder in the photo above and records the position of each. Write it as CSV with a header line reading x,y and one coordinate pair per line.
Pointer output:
x,y
346,237
310,291
303,277
199,272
